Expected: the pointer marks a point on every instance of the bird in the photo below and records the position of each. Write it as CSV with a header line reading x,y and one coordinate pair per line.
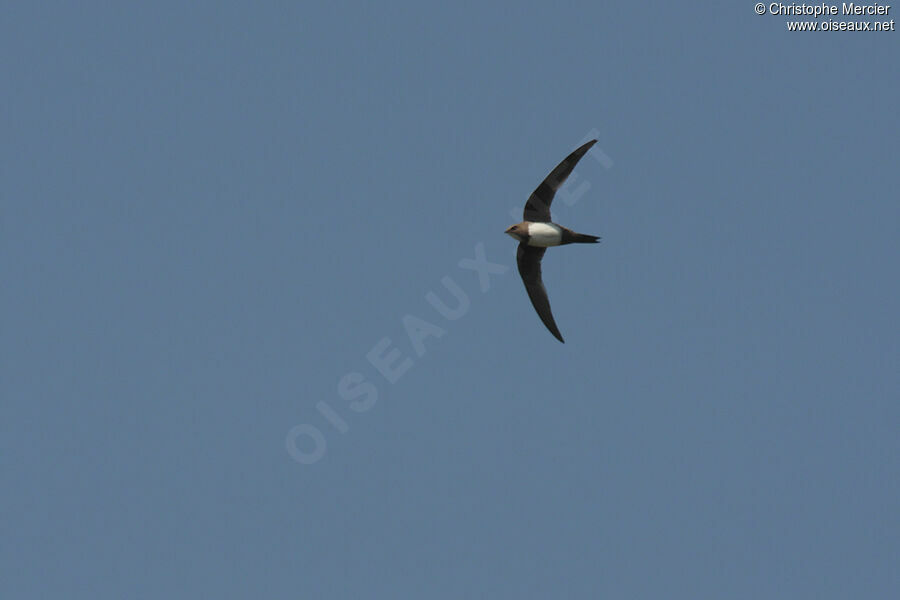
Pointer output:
x,y
537,232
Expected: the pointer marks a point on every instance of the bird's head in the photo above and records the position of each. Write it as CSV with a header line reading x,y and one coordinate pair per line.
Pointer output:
x,y
517,232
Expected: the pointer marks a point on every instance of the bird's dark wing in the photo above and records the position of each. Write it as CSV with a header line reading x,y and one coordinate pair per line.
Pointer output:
x,y
529,260
537,208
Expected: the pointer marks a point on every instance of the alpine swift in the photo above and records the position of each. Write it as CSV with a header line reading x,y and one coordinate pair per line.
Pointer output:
x,y
538,232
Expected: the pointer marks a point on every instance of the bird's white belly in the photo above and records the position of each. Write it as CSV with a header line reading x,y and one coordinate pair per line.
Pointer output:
x,y
544,234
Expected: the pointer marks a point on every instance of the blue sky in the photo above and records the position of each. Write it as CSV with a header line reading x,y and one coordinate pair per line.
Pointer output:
x,y
213,212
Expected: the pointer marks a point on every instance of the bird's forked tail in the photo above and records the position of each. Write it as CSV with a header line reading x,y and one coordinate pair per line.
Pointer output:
x,y
583,238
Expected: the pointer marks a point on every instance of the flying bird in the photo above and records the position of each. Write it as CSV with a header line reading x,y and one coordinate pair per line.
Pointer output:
x,y
538,232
